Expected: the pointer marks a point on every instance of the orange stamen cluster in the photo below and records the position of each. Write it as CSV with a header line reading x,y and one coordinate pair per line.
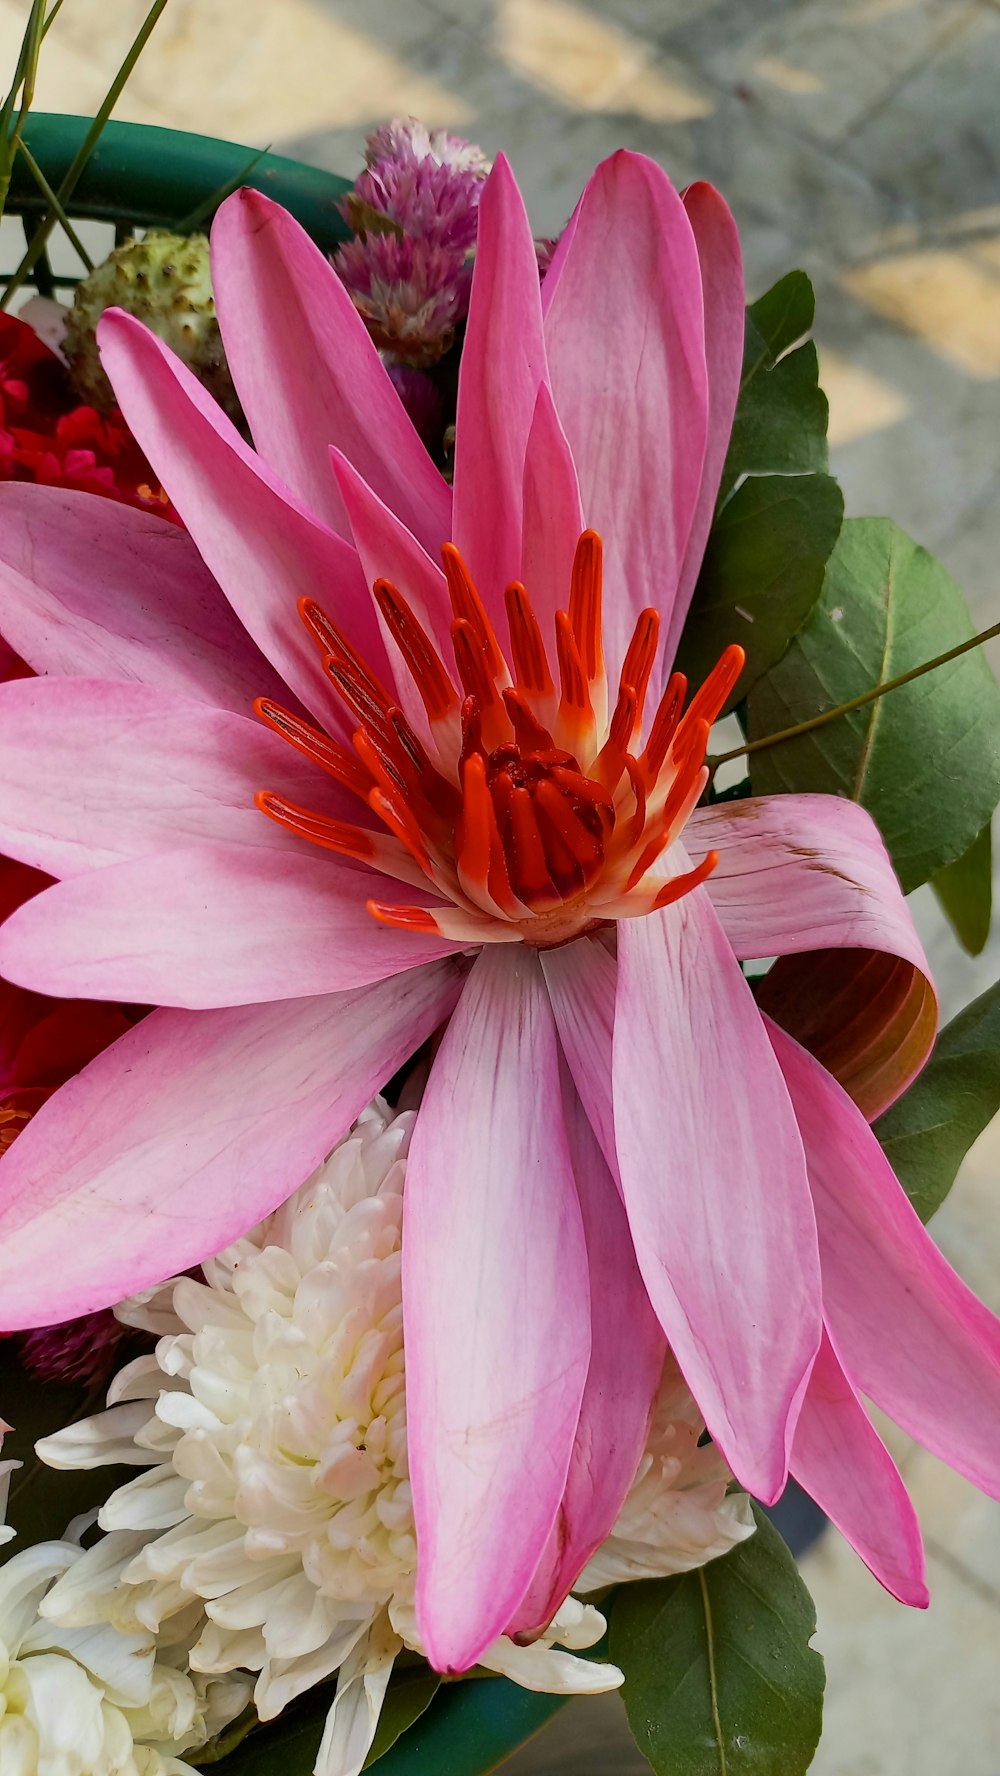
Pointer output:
x,y
529,812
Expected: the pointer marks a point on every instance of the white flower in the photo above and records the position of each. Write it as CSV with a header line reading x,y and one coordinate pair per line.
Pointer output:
x,y
93,1701
276,1501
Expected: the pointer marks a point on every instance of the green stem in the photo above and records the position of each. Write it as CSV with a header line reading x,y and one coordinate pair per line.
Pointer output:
x,y
829,715
37,244
53,202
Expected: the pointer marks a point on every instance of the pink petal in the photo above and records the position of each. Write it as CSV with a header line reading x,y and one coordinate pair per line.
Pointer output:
x,y
388,551
212,925
261,544
503,365
308,375
187,1132
95,588
912,1336
626,1363
625,336
582,980
552,516
718,243
802,872
94,773
496,1308
715,1186
842,1462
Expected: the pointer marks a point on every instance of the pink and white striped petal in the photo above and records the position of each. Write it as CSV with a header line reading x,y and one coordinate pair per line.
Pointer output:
x,y
714,1180
840,1459
503,367
94,773
259,541
625,338
308,375
626,1363
912,1335
496,1307
213,925
95,589
188,1131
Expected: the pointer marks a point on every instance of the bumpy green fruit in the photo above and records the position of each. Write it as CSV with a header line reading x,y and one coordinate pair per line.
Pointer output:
x,y
163,280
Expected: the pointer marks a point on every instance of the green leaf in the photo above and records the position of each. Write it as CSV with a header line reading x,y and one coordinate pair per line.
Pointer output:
x,y
720,1679
762,572
469,1729
925,759
779,319
411,1690
929,1130
782,413
965,891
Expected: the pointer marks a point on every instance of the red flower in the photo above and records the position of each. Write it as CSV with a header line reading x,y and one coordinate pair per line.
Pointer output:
x,y
48,437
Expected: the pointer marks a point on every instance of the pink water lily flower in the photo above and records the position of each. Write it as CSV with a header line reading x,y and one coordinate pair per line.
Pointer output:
x,y
465,799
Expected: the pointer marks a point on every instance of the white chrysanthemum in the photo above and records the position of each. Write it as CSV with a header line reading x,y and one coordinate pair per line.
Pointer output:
x,y
93,1701
271,1423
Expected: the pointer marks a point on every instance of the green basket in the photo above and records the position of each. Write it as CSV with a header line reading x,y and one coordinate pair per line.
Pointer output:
x,y
140,176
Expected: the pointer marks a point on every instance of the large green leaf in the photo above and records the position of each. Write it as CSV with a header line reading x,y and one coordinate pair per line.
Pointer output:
x,y
469,1729
412,1689
782,413
925,759
929,1130
762,572
965,891
720,1679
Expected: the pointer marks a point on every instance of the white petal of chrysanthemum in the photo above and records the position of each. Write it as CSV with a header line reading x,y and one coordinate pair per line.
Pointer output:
x,y
353,1719
108,1437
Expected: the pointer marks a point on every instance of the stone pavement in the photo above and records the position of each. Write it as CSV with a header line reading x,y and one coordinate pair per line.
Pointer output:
x,y
860,139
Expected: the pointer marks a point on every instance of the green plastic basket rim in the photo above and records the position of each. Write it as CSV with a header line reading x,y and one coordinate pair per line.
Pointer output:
x,y
142,176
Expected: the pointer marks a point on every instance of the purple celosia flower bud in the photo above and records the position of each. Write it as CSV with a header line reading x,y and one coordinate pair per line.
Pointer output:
x,y
422,399
415,213
84,1350
410,293
406,138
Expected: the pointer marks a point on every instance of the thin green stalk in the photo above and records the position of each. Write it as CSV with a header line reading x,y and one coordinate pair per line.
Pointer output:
x,y
36,246
24,82
53,201
829,715
197,216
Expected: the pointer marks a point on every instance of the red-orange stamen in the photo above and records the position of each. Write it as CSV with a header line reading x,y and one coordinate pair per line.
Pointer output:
x,y
316,745
468,607
530,661
585,601
529,817
423,661
333,835
402,918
